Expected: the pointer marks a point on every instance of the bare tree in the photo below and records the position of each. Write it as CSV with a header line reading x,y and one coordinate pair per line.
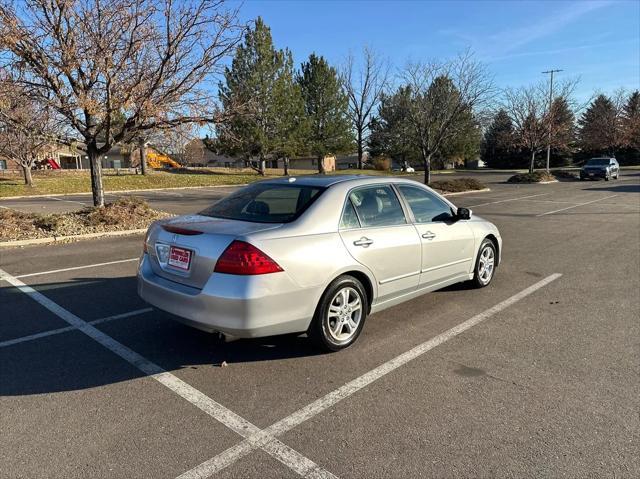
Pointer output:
x,y
26,127
151,62
533,121
441,94
364,87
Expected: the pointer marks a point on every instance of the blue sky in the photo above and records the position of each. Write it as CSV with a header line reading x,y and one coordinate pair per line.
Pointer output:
x,y
599,41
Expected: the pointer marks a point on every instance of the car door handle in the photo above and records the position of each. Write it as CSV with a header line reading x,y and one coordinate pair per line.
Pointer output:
x,y
429,235
364,242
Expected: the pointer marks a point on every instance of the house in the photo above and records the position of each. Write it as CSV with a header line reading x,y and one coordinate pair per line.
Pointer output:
x,y
197,154
123,156
64,153
311,163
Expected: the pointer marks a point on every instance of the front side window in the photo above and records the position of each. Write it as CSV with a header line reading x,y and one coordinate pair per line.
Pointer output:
x,y
377,206
265,203
425,206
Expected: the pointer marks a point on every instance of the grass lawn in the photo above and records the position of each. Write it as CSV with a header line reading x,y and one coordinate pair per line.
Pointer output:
x,y
64,182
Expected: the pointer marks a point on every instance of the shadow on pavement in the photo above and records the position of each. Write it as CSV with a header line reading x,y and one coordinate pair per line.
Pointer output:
x,y
71,361
635,188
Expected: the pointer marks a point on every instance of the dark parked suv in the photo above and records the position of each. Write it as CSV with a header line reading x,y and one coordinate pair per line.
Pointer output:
x,y
606,168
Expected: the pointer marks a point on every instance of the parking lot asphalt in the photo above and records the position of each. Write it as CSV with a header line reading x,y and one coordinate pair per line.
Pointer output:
x,y
536,375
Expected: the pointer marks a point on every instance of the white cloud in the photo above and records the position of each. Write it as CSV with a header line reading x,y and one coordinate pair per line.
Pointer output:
x,y
509,40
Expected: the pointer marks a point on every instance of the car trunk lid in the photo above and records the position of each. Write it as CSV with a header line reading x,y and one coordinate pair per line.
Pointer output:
x,y
185,249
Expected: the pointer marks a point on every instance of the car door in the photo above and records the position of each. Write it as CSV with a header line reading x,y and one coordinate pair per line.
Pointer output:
x,y
447,244
377,233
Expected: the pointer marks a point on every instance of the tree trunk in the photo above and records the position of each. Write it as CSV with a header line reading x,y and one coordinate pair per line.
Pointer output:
x,y
533,161
26,171
262,167
97,190
285,162
143,156
321,169
427,167
360,150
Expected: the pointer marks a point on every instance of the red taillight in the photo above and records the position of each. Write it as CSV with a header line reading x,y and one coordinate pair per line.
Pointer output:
x,y
243,258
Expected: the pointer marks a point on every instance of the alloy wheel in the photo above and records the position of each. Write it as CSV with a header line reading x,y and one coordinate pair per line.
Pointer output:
x,y
486,264
344,314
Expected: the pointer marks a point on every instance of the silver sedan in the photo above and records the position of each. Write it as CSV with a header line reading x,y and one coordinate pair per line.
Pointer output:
x,y
312,254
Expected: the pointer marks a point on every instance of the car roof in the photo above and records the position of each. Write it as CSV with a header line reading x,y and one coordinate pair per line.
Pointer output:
x,y
325,180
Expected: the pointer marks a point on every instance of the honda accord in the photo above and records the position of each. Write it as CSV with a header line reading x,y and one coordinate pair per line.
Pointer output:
x,y
312,254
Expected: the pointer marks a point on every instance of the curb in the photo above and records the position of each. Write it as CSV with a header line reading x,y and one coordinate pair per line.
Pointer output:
x,y
120,191
547,182
458,193
56,239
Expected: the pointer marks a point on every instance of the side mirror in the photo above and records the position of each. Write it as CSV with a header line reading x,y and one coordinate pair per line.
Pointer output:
x,y
463,214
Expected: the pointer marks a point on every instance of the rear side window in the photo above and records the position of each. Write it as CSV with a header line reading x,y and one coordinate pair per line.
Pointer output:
x,y
265,203
349,218
377,206
425,206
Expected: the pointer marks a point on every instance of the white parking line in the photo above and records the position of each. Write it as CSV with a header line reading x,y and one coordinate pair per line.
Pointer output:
x,y
228,418
575,206
44,334
262,439
507,200
95,265
68,201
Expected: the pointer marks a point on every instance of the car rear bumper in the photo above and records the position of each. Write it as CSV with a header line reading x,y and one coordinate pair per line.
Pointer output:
x,y
240,306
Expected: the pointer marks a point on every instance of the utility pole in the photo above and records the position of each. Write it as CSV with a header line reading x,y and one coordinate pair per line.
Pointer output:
x,y
550,119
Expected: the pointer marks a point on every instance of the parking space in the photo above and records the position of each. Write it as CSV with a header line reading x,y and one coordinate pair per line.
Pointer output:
x,y
534,375
70,408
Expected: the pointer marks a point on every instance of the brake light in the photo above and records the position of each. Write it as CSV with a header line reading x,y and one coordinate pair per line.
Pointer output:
x,y
244,258
180,231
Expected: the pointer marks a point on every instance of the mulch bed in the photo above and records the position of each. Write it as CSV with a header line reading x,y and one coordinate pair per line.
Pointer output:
x,y
124,214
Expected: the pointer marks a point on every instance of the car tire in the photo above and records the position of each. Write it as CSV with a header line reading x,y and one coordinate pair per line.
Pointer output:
x,y
487,256
336,325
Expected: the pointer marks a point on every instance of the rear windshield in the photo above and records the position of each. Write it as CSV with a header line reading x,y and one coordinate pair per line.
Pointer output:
x,y
265,203
598,162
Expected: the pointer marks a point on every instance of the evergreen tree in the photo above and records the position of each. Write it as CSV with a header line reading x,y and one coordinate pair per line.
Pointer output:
x,y
463,143
326,106
391,132
631,121
562,131
499,148
599,127
264,102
